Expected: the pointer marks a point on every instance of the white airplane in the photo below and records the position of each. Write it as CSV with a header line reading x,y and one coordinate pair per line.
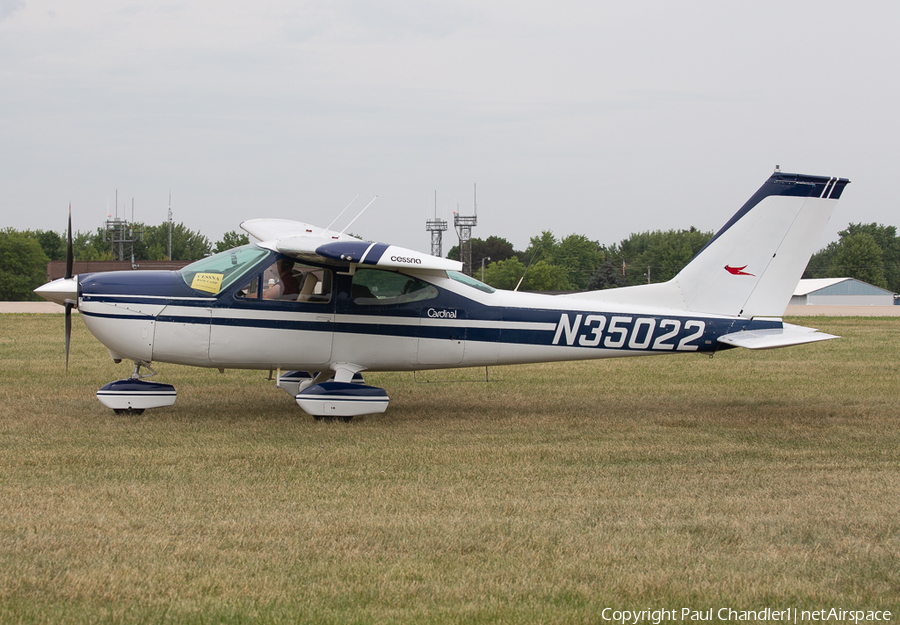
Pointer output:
x,y
325,307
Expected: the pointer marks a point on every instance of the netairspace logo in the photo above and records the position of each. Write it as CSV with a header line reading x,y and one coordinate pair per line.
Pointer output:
x,y
786,615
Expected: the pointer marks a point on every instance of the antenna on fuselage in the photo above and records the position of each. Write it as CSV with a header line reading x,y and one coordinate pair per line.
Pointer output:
x,y
357,216
524,273
342,212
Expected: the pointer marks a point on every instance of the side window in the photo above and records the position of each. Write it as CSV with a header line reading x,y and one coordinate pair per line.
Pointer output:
x,y
373,287
251,291
289,281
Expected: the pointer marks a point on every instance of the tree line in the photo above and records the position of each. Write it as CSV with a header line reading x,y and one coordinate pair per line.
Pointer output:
x,y
24,254
868,252
577,263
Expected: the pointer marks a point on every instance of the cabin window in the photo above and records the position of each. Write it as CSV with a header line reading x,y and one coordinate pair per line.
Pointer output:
x,y
373,287
251,291
215,273
289,281
469,281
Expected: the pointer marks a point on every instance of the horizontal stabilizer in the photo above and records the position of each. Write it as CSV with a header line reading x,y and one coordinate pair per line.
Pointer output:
x,y
775,337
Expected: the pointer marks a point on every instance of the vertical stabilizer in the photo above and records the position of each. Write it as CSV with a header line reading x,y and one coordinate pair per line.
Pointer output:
x,y
753,264
751,267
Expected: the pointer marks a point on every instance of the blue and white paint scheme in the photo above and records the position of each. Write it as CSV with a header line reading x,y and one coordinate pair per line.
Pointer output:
x,y
305,299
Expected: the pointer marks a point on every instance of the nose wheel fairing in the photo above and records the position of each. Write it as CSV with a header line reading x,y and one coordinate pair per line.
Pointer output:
x,y
133,396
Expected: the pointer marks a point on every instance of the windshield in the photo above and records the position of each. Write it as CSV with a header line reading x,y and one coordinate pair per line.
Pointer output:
x,y
217,272
472,282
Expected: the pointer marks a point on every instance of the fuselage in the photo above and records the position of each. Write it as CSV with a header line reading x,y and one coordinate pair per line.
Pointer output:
x,y
376,319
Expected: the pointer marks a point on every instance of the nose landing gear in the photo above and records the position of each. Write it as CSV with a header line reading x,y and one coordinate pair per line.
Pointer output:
x,y
134,395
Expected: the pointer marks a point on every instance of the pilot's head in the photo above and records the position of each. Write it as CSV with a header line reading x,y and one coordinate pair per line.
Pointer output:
x,y
284,266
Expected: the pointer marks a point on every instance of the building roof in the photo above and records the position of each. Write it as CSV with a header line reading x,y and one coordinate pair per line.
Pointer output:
x,y
849,286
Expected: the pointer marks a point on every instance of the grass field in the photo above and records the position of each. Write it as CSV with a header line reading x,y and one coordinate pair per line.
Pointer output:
x,y
750,480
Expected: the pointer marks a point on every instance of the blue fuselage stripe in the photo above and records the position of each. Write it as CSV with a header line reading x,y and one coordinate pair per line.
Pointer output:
x,y
580,329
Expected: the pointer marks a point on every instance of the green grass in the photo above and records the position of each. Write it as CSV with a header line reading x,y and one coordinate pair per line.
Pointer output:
x,y
750,480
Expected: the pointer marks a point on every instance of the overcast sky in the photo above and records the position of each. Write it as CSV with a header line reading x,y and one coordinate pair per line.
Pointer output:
x,y
599,118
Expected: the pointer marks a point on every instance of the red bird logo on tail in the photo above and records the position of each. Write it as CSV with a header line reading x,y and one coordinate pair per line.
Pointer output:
x,y
738,271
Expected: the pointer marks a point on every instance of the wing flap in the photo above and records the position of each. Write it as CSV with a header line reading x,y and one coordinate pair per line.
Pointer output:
x,y
771,338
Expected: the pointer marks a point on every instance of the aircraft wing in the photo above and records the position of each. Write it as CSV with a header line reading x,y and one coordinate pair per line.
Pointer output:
x,y
785,336
306,242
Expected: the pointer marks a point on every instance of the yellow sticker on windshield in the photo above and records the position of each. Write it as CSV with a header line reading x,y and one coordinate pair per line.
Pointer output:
x,y
209,282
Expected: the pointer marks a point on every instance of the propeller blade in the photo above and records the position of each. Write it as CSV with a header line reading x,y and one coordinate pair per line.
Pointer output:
x,y
68,331
70,256
70,261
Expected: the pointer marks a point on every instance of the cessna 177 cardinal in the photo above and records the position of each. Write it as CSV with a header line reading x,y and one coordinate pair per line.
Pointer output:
x,y
327,306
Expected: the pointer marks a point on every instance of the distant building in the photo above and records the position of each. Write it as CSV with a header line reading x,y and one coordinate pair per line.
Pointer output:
x,y
840,292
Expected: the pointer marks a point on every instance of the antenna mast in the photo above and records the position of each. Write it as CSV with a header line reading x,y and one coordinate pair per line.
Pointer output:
x,y
464,225
436,227
118,230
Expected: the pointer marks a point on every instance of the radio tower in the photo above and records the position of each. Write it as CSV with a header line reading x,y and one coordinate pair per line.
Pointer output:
x,y
436,227
464,227
119,231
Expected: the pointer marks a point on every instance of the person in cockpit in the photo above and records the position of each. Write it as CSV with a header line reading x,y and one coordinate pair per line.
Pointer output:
x,y
287,286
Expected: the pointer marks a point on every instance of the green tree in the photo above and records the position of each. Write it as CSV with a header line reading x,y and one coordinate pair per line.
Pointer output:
x,y
91,246
608,276
154,244
231,239
541,276
53,244
504,274
661,253
860,257
543,247
834,261
886,239
579,257
819,265
494,247
23,266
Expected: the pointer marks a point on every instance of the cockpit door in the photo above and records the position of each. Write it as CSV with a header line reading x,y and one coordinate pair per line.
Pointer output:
x,y
282,317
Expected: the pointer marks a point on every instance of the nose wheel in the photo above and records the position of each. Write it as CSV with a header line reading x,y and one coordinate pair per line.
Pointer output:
x,y
331,419
129,411
134,395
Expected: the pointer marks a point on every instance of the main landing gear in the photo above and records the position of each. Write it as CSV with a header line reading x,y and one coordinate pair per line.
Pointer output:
x,y
134,395
334,396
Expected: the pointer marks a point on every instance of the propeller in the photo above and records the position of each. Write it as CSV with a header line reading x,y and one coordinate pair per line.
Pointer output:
x,y
64,291
70,261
